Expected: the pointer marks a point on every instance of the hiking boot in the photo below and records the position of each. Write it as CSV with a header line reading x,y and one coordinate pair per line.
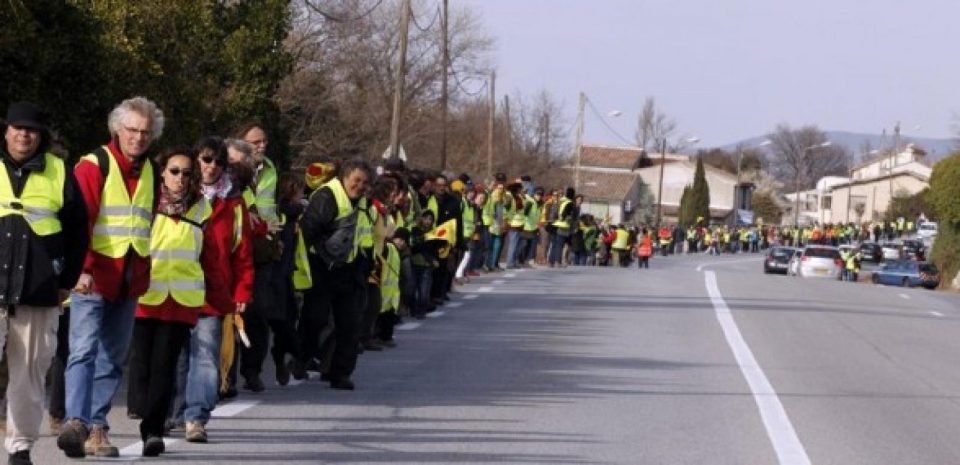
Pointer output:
x,y
21,457
195,432
98,444
71,440
56,425
153,446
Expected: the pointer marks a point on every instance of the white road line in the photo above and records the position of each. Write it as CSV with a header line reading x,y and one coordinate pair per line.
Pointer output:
x,y
723,262
234,408
453,305
510,275
497,282
470,296
134,451
485,289
408,326
936,313
779,428
436,314
904,296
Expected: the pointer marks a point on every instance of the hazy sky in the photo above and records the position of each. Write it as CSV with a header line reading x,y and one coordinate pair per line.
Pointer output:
x,y
731,69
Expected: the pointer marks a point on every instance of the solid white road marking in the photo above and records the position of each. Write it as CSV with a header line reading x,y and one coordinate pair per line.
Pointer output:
x,y
936,313
904,296
134,451
779,428
724,262
233,408
485,289
497,282
509,275
470,296
436,314
408,326
453,304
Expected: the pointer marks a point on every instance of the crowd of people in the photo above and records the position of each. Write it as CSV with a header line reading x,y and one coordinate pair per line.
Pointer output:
x,y
187,266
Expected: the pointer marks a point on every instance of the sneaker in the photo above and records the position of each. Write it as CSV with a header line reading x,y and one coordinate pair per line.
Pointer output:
x,y
21,457
56,425
71,440
98,444
153,446
195,432
254,384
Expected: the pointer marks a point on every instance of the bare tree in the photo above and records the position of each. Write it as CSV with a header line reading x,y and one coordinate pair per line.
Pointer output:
x,y
799,158
653,125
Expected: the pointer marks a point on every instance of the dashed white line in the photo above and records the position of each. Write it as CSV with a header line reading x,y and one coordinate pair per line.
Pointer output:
x,y
436,314
497,282
485,289
510,275
470,296
453,305
233,408
134,451
936,313
904,296
408,326
779,428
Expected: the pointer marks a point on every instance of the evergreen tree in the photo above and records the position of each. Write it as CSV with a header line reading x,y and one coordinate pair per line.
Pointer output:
x,y
700,194
684,216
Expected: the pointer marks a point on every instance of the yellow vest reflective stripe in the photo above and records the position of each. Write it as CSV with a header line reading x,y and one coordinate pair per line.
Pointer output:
x,y
175,248
433,206
249,198
486,213
516,214
366,218
622,242
390,280
468,218
237,226
532,218
561,221
344,209
266,194
123,222
302,279
41,199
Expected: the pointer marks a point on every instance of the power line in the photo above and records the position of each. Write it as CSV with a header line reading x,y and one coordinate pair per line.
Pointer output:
x,y
456,77
429,26
607,125
339,19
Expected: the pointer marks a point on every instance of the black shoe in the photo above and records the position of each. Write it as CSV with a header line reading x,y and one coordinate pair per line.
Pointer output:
x,y
388,343
343,384
153,446
254,384
283,374
298,370
371,345
72,438
21,457
313,365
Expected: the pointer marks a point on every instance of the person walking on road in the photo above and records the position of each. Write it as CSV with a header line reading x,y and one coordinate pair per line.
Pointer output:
x,y
39,202
644,249
119,186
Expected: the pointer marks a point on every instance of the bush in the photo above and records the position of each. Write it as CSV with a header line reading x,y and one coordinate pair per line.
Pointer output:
x,y
944,198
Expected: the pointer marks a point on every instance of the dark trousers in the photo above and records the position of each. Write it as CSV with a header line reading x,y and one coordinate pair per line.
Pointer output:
x,y
258,329
153,364
58,396
371,312
643,262
342,305
385,324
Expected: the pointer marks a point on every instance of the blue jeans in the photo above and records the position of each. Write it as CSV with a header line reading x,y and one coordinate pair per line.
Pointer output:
x,y
513,243
556,249
203,377
100,333
424,276
496,241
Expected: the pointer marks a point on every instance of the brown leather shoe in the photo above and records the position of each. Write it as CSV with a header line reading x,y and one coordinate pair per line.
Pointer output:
x,y
99,443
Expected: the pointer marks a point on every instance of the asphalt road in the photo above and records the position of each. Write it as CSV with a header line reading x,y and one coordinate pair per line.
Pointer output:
x,y
628,366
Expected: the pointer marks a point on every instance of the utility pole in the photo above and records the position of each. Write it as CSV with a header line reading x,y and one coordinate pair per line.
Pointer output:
x,y
893,161
444,23
506,111
490,122
579,142
663,162
399,82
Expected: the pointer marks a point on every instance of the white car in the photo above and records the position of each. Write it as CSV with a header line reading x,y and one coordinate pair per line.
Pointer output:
x,y
927,230
891,250
819,261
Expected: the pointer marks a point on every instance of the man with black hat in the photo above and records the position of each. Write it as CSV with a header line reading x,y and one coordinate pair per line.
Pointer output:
x,y
39,200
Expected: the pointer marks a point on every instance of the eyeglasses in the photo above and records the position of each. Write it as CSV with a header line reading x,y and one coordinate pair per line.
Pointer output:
x,y
177,171
142,132
208,160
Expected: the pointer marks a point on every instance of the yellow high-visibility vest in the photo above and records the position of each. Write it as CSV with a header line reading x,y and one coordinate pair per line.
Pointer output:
x,y
561,221
302,279
468,218
345,208
266,194
622,241
367,216
390,280
41,199
532,218
123,222
175,248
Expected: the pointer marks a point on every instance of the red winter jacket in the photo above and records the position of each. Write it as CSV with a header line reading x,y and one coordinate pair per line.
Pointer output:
x,y
228,270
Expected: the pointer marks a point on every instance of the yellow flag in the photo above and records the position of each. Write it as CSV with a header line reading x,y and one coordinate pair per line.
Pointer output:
x,y
445,232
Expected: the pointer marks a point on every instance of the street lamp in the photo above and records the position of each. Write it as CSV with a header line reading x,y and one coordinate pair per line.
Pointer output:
x,y
796,182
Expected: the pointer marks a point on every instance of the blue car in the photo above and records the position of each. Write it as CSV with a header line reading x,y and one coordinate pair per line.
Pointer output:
x,y
907,273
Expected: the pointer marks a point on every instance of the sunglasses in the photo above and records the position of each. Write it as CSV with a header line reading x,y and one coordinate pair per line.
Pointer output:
x,y
177,171
208,160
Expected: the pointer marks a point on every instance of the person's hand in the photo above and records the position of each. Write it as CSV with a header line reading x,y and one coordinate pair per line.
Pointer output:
x,y
241,307
84,284
63,295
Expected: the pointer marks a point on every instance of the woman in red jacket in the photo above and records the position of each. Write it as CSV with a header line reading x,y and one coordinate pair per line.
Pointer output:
x,y
228,265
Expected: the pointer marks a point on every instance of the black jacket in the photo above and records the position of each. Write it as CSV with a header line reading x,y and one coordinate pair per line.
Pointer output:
x,y
32,267
318,224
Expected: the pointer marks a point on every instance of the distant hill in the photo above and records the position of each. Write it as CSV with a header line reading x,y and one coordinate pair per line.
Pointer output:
x,y
936,148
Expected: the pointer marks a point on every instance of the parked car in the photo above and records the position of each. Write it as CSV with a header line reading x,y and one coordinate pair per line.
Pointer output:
x,y
907,273
818,261
871,252
891,250
914,249
927,230
778,259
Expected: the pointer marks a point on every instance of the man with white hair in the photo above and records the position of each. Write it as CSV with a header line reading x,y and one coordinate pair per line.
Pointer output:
x,y
119,187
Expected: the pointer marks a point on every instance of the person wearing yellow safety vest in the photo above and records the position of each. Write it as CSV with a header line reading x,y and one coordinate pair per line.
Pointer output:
x,y
449,206
44,221
481,243
119,185
228,253
565,220
470,217
265,183
494,211
852,265
390,294
329,226
532,205
377,226
170,307
621,246
515,219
